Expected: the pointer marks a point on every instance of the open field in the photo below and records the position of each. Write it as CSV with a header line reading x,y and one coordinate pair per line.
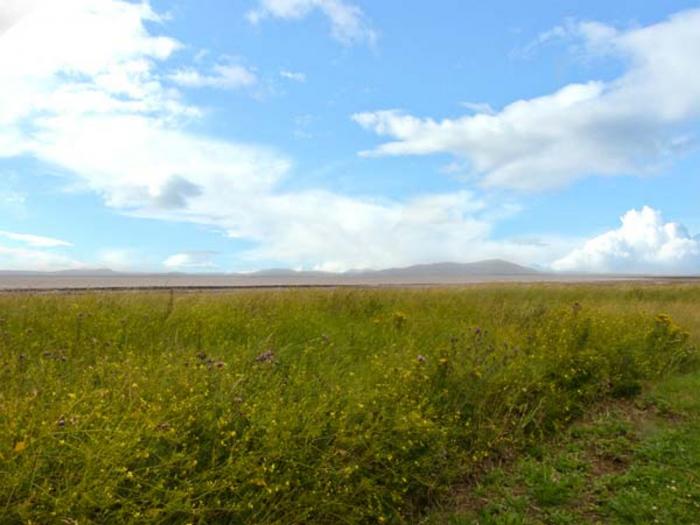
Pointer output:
x,y
311,406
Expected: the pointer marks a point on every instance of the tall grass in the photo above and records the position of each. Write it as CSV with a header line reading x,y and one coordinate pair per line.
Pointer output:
x,y
314,406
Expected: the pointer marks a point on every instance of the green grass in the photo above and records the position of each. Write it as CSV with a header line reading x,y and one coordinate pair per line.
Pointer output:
x,y
323,406
632,463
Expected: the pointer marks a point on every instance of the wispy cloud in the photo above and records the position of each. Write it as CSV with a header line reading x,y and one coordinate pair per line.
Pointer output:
x,y
221,77
293,75
37,241
349,25
25,251
479,107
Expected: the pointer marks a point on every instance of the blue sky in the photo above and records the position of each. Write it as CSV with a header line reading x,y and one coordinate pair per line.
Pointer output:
x,y
339,134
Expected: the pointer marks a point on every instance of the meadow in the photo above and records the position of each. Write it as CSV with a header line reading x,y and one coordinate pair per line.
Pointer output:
x,y
308,406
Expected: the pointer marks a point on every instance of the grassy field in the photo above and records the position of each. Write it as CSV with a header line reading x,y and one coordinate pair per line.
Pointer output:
x,y
337,406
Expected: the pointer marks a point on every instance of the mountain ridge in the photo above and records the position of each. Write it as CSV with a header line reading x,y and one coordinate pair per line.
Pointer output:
x,y
493,267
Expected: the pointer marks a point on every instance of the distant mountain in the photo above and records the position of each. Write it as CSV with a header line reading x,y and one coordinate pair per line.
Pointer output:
x,y
493,267
420,272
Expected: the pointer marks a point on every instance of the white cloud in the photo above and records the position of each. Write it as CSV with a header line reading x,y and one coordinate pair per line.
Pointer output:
x,y
343,233
48,69
103,115
37,241
644,243
12,10
604,128
479,107
293,75
12,258
191,260
327,231
348,23
222,77
34,252
122,259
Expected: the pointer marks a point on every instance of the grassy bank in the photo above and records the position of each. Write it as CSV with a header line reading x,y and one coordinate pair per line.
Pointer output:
x,y
314,406
625,462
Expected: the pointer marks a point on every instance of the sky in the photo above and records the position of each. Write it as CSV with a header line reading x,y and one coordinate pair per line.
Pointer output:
x,y
234,135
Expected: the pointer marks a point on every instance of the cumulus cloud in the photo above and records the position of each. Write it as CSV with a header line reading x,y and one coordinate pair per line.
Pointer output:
x,y
191,260
644,243
49,70
596,127
221,77
348,23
